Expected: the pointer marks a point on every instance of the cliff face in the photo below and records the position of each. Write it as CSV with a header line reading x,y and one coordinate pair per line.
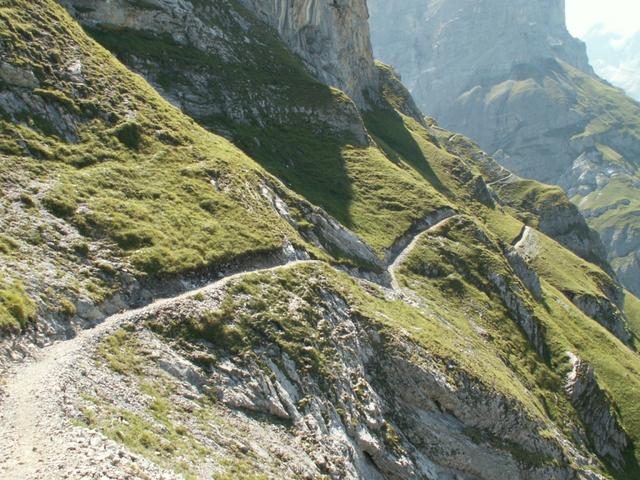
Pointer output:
x,y
332,37
442,46
509,75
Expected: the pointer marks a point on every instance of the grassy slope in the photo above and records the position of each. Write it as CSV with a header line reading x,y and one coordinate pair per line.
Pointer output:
x,y
141,171
611,112
618,368
154,197
356,184
609,124
609,108
618,201
146,188
632,309
451,275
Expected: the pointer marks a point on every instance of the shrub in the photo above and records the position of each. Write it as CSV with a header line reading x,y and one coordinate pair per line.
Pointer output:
x,y
27,200
81,248
132,239
152,260
129,134
59,204
67,308
16,308
7,245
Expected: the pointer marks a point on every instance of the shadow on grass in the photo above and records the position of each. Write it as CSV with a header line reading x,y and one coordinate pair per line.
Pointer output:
x,y
306,156
390,133
308,161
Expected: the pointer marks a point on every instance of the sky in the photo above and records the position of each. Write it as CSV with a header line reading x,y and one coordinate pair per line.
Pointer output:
x,y
611,29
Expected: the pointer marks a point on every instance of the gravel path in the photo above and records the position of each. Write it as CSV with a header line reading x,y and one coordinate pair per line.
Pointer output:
x,y
37,440
405,253
32,423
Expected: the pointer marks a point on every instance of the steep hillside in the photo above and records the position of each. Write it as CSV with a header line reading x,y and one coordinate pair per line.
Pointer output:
x,y
509,75
328,286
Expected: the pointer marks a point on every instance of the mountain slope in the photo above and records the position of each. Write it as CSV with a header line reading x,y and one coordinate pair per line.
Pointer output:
x,y
509,75
436,337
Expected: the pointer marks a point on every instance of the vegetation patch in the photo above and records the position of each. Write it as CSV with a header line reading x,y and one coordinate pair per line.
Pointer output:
x,y
17,309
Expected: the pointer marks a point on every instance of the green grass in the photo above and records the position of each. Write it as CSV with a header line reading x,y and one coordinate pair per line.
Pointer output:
x,y
568,272
328,166
553,262
449,272
7,245
632,310
143,184
258,309
170,434
120,351
529,195
156,432
17,309
568,329
617,204
173,198
607,107
511,88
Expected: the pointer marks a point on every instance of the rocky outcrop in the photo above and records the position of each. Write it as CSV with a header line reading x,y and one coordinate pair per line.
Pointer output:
x,y
390,409
510,76
332,37
525,272
323,230
522,314
596,411
564,223
218,49
605,313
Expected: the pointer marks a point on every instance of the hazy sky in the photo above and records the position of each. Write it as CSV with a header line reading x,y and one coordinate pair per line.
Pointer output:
x,y
617,16
611,30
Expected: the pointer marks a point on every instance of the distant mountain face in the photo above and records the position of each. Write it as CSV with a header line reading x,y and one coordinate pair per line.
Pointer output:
x,y
442,46
509,75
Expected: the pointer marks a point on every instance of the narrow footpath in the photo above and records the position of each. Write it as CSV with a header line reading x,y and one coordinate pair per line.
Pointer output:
x,y
30,413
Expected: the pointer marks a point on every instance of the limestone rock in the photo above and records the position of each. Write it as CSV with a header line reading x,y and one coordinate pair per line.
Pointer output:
x,y
597,412
332,37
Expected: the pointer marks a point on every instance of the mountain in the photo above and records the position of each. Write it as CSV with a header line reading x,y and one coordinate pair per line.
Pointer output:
x,y
233,248
509,75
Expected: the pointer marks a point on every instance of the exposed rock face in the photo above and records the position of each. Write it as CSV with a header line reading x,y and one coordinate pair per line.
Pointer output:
x,y
604,312
597,412
509,75
332,37
391,410
521,313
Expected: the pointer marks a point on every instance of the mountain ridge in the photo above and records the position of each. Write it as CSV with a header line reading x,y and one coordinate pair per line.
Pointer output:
x,y
481,365
524,90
